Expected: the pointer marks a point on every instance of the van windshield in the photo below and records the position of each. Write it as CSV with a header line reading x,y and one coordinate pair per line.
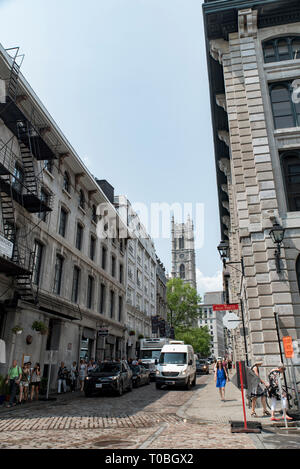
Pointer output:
x,y
172,358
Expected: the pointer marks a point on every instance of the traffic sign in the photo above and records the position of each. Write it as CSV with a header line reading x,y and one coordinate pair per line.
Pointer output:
x,y
231,321
233,307
103,332
288,346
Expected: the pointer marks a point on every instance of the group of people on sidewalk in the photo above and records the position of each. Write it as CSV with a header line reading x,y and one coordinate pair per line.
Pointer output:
x,y
24,379
261,390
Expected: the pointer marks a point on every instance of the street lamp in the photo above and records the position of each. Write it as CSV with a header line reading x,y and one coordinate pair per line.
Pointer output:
x,y
277,236
223,249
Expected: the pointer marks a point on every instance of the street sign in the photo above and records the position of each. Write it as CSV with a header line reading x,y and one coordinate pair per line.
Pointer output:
x,y
103,332
233,307
231,321
288,346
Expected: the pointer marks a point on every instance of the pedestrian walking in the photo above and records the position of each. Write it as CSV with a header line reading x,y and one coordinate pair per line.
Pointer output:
x,y
73,377
221,377
62,378
24,383
82,373
274,392
35,382
14,376
260,390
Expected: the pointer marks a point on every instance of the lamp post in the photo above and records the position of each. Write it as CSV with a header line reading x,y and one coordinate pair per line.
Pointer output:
x,y
223,249
277,235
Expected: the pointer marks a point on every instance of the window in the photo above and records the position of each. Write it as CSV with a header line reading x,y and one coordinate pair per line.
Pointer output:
x,y
37,262
92,247
112,303
79,236
121,273
48,165
75,286
286,112
94,213
120,308
181,243
18,179
283,48
102,298
103,259
45,200
291,173
63,222
81,200
90,292
298,271
66,182
182,271
58,274
113,266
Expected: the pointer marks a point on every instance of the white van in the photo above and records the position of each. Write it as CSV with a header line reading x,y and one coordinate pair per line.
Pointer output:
x,y
176,366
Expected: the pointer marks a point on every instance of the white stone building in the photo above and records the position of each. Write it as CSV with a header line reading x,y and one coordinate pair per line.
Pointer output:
x,y
253,54
141,277
213,320
58,267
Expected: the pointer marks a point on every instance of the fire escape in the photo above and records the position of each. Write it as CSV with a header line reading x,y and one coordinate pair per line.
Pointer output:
x,y
20,184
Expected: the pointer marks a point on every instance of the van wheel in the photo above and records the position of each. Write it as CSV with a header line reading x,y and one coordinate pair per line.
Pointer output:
x,y
158,386
194,380
188,385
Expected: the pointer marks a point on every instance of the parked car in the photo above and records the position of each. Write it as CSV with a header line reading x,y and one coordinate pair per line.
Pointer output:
x,y
202,366
115,377
140,375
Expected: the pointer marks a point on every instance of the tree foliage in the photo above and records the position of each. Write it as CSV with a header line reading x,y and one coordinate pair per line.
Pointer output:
x,y
198,337
183,303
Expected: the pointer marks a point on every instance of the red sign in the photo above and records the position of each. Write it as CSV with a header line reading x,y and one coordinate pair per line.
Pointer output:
x,y
226,307
288,346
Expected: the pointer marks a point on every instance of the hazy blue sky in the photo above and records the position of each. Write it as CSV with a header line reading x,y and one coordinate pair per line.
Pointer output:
x,y
126,81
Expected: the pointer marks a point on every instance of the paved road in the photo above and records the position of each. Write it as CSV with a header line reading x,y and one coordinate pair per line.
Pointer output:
x,y
144,418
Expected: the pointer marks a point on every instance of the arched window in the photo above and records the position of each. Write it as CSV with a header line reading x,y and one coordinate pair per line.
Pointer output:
x,y
94,213
66,184
298,271
282,48
182,271
286,112
291,172
181,243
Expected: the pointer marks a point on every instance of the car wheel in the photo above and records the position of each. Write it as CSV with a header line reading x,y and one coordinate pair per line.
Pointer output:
x,y
158,386
120,390
194,380
130,386
148,381
87,394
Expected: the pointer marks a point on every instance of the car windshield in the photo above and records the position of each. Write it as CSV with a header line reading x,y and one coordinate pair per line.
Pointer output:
x,y
202,362
172,358
148,354
108,368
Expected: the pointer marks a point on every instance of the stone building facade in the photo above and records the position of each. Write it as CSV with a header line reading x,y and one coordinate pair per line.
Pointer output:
x,y
141,277
253,54
62,263
183,252
213,320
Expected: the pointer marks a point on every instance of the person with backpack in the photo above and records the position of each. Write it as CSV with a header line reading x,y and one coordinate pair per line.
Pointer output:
x,y
14,376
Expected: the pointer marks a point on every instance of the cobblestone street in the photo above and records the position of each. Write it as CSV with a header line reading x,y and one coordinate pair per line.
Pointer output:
x,y
145,418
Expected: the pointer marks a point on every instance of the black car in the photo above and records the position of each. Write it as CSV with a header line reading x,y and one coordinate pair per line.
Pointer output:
x,y
140,375
115,377
202,366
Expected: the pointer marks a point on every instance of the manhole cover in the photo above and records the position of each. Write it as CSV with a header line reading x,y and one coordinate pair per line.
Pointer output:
x,y
106,443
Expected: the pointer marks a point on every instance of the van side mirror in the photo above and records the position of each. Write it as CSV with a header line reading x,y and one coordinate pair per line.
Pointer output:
x,y
190,362
156,361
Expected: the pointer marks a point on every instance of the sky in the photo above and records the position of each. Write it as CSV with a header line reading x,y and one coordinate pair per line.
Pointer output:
x,y
126,81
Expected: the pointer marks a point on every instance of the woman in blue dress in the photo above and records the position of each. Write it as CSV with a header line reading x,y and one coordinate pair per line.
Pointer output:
x,y
221,377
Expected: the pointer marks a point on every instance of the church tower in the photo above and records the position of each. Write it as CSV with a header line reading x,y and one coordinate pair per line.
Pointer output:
x,y
183,252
